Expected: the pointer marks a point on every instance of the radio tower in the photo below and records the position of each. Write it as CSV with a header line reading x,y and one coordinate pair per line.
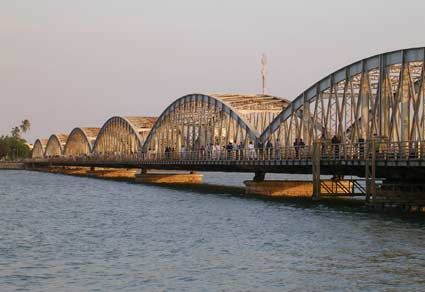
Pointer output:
x,y
264,72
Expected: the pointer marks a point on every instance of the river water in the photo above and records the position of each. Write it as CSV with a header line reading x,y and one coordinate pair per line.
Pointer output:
x,y
63,233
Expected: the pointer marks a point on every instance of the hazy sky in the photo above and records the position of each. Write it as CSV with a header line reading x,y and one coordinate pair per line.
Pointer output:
x,y
75,63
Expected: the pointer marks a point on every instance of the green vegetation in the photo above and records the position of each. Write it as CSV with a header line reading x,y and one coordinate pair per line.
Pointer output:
x,y
13,147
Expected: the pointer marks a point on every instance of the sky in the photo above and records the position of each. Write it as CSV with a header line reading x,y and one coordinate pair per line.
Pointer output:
x,y
66,64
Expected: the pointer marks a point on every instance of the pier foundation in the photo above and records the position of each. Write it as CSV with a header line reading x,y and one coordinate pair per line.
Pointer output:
x,y
169,178
278,188
298,188
406,196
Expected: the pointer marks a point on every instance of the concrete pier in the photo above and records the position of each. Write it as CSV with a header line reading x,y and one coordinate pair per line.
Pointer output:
x,y
407,196
297,188
279,188
169,178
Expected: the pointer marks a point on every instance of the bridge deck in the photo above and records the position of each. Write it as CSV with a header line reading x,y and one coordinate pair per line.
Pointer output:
x,y
384,168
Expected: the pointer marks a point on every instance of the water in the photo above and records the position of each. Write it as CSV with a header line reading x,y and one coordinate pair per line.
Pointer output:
x,y
62,233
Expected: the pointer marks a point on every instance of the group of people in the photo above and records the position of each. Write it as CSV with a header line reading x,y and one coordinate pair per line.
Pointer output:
x,y
169,152
217,151
229,151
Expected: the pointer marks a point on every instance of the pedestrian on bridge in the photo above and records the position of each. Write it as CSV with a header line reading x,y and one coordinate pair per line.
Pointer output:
x,y
260,147
202,149
302,145
239,151
251,151
297,148
217,151
269,149
335,144
229,149
183,152
277,150
209,150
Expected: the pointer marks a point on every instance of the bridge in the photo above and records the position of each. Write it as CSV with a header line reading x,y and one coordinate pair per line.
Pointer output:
x,y
366,119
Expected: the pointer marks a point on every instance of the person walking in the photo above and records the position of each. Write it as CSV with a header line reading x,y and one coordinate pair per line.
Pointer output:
x,y
260,147
302,145
277,150
229,149
335,144
251,151
297,148
269,149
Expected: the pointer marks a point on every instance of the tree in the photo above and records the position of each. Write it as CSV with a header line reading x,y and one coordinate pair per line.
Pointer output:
x,y
25,126
12,148
4,147
16,132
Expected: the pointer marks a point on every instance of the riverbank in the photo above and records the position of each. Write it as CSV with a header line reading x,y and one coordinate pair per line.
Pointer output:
x,y
11,165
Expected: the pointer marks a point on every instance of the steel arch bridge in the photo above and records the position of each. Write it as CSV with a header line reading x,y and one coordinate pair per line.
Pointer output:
x,y
366,119
197,120
39,148
55,145
80,141
380,96
123,135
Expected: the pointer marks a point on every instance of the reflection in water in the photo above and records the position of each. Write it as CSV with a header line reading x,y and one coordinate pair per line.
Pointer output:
x,y
61,233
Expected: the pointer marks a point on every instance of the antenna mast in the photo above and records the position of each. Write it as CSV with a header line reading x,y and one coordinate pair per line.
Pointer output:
x,y
263,72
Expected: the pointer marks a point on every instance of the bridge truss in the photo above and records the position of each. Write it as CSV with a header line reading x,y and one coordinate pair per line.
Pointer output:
x,y
195,121
381,96
80,141
55,145
123,135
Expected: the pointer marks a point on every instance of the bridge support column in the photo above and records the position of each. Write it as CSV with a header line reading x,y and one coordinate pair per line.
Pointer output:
x,y
259,176
370,171
316,170
401,194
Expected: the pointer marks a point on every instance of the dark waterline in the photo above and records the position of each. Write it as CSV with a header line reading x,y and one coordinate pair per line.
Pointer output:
x,y
62,233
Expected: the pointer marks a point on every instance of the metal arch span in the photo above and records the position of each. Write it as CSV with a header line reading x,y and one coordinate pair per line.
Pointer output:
x,y
123,135
196,120
55,145
382,96
39,148
80,141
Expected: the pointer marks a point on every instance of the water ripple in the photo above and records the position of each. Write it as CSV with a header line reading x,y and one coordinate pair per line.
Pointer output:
x,y
61,233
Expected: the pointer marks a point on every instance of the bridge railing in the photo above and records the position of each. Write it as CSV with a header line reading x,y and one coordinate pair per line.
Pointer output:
x,y
353,151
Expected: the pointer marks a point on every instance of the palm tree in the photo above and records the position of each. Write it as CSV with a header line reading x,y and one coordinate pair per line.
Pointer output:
x,y
25,126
